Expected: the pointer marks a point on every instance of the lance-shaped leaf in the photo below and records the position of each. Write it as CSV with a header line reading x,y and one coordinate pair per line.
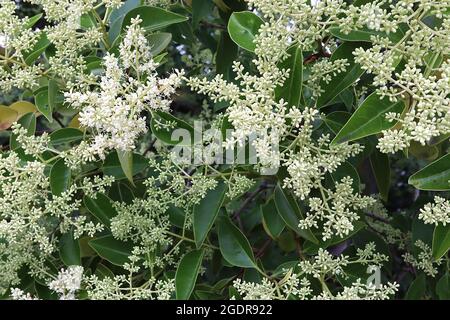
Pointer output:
x,y
441,241
243,28
126,163
291,91
369,118
43,105
272,222
111,249
60,176
344,79
205,212
187,274
291,214
101,207
382,171
65,135
234,246
434,177
153,18
69,249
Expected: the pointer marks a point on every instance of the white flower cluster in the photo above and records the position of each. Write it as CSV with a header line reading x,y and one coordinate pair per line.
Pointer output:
x,y
437,212
424,260
113,111
30,214
324,266
338,209
18,38
68,282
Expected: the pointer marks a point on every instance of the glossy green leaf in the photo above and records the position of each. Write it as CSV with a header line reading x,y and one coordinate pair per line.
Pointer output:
x,y
417,288
233,244
336,120
433,177
33,54
291,214
443,287
65,135
60,177
187,274
69,249
111,249
291,91
369,118
28,121
101,207
272,222
205,212
52,94
243,28
382,171
441,241
113,167
42,104
227,52
126,163
158,42
200,10
33,20
346,169
153,18
365,34
344,79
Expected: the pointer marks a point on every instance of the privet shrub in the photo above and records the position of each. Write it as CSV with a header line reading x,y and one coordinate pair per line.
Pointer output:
x,y
258,149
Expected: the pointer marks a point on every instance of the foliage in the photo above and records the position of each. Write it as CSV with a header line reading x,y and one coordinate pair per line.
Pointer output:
x,y
225,149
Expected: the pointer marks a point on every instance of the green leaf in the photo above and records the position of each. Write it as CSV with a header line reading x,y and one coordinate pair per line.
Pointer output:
x,y
344,79
434,177
382,171
69,250
336,120
126,163
113,167
243,27
60,176
65,135
272,222
42,104
52,94
291,214
33,20
28,121
165,134
117,16
153,18
365,34
443,287
441,241
234,246
417,288
227,52
187,273
101,207
158,42
369,119
200,10
291,91
346,169
31,55
111,249
206,211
